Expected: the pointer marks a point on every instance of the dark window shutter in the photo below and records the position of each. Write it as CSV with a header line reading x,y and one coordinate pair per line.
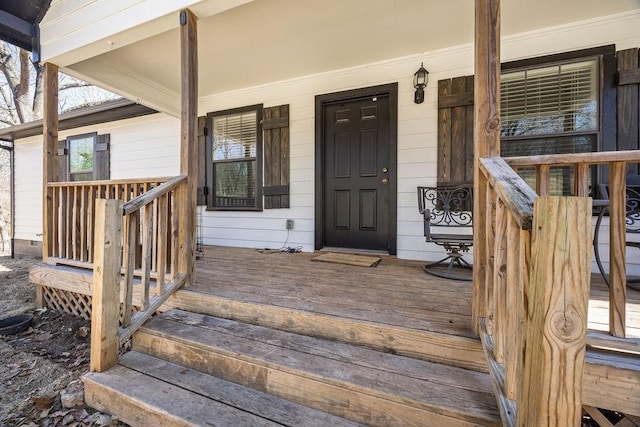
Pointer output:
x,y
275,126
63,161
101,166
628,100
455,130
202,161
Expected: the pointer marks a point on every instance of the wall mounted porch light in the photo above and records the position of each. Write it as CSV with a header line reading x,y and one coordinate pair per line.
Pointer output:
x,y
420,80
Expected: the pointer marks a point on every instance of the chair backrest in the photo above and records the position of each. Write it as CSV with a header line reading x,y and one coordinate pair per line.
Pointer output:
x,y
632,203
446,206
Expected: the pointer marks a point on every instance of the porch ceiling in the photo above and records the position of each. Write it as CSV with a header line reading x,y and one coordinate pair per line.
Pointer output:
x,y
269,40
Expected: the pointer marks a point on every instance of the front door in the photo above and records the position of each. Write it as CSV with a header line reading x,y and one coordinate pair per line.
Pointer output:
x,y
357,173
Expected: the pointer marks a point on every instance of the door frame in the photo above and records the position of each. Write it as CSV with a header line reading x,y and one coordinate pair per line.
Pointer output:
x,y
390,90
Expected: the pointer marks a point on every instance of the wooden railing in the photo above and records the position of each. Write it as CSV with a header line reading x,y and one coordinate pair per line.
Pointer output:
x,y
617,164
71,219
533,316
146,241
531,291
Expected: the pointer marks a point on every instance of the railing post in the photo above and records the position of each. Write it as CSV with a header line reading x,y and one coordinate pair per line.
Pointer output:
x,y
617,249
105,311
556,300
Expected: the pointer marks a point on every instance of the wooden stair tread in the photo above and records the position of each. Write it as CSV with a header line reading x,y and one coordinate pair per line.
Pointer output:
x,y
405,340
272,408
434,388
141,400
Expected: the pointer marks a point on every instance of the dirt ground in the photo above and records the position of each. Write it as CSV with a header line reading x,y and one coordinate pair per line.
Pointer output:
x,y
40,368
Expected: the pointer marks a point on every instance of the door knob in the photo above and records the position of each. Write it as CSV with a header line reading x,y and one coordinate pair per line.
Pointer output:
x,y
385,170
385,181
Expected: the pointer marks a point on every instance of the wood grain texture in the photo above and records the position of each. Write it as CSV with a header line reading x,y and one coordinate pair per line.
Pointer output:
x,y
486,138
511,189
153,194
455,130
594,158
105,313
550,392
617,249
628,100
479,304
489,243
233,395
500,282
451,349
359,384
276,156
444,134
348,259
125,392
612,381
49,152
188,143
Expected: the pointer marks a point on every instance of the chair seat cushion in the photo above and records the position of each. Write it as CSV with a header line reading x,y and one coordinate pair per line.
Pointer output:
x,y
463,238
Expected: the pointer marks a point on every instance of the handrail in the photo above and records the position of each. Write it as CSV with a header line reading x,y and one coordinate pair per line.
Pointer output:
x,y
108,182
511,188
148,225
593,158
151,195
532,313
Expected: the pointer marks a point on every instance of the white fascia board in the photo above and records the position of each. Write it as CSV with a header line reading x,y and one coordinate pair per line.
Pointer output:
x,y
97,26
134,87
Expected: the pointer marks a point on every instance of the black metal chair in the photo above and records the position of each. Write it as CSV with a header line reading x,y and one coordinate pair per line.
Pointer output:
x,y
448,208
632,223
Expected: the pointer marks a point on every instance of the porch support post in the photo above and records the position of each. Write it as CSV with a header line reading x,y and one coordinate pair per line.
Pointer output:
x,y
49,145
189,132
487,141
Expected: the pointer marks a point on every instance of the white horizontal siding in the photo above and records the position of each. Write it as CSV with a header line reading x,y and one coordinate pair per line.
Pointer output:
x,y
28,189
149,146
140,147
417,130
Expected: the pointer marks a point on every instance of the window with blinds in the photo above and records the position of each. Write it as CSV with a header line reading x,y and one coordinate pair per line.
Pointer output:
x,y
551,109
235,148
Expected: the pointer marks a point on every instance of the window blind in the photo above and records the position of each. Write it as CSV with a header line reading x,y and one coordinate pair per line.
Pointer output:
x,y
234,147
549,100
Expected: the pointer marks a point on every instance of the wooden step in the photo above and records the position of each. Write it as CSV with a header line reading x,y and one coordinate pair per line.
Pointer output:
x,y
423,344
612,380
357,383
145,391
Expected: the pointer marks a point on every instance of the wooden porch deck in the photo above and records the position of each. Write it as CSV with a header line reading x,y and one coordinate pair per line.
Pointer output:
x,y
396,292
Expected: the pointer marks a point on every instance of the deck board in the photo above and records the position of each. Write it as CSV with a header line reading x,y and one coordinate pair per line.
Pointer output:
x,y
282,362
396,292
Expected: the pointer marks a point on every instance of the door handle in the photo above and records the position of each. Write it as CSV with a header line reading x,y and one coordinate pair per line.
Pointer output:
x,y
385,181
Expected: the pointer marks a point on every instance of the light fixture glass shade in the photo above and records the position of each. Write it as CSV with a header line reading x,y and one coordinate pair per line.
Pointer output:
x,y
421,77
420,80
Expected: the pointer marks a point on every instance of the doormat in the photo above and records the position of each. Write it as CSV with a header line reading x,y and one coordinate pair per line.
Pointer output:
x,y
348,259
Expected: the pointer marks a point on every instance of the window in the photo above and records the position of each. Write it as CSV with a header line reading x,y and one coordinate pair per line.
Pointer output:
x,y
81,157
235,155
84,158
551,109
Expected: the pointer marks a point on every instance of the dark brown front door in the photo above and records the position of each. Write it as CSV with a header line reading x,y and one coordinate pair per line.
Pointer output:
x,y
357,173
